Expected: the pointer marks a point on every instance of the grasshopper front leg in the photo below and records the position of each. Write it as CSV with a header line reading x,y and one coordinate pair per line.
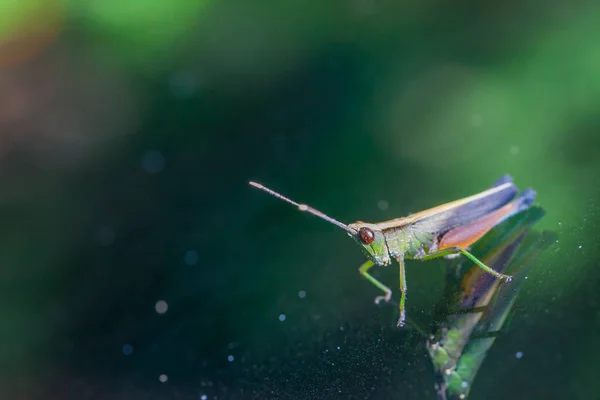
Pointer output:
x,y
364,268
363,271
400,260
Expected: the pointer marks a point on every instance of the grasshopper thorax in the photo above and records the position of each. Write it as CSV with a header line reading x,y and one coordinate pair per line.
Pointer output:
x,y
372,240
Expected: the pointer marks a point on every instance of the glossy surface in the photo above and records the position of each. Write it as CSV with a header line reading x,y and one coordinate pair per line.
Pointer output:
x,y
136,262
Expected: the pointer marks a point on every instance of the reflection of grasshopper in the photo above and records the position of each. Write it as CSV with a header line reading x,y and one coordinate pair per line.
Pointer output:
x,y
475,307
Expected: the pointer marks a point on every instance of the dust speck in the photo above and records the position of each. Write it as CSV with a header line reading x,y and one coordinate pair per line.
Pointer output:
x,y
161,306
383,205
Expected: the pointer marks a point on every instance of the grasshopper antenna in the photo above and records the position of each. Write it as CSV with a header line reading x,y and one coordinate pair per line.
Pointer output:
x,y
304,207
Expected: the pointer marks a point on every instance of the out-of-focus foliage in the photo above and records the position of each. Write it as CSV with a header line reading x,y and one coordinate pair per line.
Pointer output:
x,y
150,32
129,130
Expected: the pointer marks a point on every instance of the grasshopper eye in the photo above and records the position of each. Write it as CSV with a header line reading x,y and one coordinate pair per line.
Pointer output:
x,y
367,236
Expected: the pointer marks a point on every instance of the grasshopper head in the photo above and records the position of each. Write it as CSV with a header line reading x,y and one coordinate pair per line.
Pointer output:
x,y
372,241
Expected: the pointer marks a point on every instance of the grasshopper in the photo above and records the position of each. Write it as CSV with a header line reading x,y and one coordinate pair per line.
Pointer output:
x,y
443,231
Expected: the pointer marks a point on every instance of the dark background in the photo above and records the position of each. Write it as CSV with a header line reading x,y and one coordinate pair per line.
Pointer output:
x,y
128,134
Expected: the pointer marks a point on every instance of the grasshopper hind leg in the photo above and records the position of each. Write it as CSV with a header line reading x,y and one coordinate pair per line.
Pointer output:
x,y
456,254
506,278
466,253
452,256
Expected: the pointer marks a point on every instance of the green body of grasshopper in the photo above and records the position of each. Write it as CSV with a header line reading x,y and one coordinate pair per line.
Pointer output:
x,y
445,230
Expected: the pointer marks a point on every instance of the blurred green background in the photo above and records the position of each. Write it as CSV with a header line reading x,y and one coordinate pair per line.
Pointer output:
x,y
136,262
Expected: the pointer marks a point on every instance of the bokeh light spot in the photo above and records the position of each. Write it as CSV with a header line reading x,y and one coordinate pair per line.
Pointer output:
x,y
153,162
191,257
127,349
161,306
105,236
